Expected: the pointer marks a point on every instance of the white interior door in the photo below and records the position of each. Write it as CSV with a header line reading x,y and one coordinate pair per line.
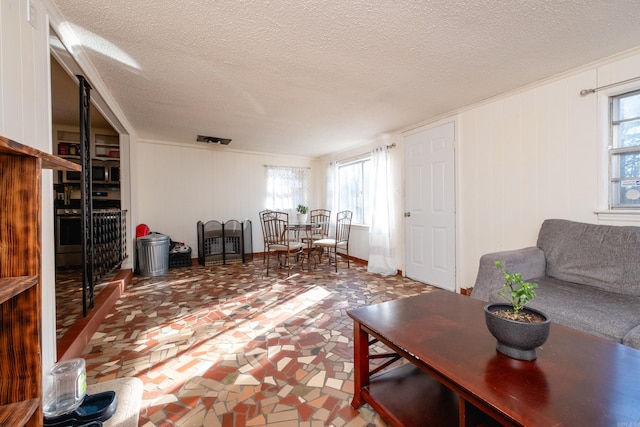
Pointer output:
x,y
430,206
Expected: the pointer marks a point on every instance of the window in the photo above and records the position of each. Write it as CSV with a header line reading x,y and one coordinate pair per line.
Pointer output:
x,y
287,187
353,194
624,151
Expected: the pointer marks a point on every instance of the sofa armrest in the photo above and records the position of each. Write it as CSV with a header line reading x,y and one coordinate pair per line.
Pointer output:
x,y
529,262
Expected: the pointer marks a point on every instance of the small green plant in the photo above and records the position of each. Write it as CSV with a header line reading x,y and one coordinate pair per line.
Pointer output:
x,y
517,292
302,209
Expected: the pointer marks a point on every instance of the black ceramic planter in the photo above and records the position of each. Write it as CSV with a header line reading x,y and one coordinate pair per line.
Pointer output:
x,y
516,339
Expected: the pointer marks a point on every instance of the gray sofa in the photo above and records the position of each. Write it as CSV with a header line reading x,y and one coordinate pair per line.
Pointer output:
x,y
588,277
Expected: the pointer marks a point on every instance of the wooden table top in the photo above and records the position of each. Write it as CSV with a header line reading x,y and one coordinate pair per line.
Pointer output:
x,y
578,379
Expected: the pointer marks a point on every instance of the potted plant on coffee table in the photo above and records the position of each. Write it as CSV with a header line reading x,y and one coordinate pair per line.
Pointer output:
x,y
519,330
302,213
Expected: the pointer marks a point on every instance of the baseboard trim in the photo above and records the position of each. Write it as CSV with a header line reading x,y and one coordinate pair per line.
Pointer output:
x,y
466,291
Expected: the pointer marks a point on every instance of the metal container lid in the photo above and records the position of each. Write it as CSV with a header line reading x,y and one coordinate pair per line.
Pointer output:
x,y
154,237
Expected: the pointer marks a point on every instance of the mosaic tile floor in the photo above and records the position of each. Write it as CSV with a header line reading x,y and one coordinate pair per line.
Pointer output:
x,y
69,297
227,346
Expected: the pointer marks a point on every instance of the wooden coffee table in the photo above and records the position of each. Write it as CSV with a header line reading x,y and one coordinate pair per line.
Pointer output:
x,y
456,377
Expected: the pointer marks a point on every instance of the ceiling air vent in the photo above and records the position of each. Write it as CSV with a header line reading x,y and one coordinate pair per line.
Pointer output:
x,y
213,140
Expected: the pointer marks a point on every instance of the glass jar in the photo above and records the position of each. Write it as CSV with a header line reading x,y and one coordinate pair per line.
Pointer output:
x,y
67,389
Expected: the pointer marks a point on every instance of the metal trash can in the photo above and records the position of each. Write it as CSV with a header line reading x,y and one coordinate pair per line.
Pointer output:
x,y
153,254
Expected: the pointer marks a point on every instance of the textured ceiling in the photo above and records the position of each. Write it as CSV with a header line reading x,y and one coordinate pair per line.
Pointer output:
x,y
313,77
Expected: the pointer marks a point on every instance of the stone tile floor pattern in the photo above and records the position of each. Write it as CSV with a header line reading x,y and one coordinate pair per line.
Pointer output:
x,y
69,297
227,346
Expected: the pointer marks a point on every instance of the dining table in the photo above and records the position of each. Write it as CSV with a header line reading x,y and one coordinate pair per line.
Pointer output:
x,y
303,232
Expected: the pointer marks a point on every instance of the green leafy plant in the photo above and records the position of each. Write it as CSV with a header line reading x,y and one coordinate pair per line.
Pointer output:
x,y
302,209
516,291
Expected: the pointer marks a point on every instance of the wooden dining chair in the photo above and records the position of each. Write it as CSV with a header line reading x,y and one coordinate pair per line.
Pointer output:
x,y
278,240
340,244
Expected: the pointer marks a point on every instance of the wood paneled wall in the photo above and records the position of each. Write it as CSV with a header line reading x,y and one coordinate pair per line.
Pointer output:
x,y
181,184
25,116
535,154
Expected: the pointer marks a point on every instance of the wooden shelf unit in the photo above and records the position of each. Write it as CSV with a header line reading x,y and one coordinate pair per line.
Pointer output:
x,y
12,286
20,280
105,144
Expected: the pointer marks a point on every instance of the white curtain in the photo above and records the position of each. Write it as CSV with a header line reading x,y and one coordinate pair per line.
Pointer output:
x,y
332,187
381,234
287,187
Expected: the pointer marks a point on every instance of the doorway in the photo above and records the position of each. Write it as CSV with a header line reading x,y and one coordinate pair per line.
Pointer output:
x,y
105,189
430,206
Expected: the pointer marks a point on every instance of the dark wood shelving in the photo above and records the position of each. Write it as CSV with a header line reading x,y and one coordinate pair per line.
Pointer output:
x,y
20,280
12,286
49,161
412,398
19,413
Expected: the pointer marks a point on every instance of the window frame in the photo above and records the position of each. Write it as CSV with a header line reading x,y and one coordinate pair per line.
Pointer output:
x,y
365,219
615,152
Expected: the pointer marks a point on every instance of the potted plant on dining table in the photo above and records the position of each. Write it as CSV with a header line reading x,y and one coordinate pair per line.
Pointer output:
x,y
302,213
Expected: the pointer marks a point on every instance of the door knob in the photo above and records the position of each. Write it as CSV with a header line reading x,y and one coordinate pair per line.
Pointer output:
x,y
407,214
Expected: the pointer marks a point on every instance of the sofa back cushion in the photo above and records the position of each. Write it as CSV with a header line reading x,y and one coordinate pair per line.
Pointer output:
x,y
604,256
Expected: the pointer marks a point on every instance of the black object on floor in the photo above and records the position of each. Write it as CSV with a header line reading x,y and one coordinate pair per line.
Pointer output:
x,y
95,409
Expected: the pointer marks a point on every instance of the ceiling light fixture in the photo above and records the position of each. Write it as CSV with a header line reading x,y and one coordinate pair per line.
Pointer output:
x,y
213,140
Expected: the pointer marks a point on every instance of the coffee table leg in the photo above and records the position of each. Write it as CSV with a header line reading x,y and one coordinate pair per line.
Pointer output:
x,y
361,361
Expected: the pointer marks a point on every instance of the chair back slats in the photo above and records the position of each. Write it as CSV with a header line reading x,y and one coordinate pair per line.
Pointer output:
x,y
278,239
322,217
275,224
261,216
341,241
343,226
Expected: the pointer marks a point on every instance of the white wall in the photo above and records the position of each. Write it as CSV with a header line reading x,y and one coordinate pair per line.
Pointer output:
x,y
25,117
180,184
532,154
524,158
535,154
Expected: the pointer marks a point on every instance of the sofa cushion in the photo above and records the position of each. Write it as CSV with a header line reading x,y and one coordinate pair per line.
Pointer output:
x,y
604,256
529,262
632,338
589,309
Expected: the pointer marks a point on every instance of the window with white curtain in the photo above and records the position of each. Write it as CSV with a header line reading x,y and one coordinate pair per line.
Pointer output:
x,y
353,194
624,151
287,187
